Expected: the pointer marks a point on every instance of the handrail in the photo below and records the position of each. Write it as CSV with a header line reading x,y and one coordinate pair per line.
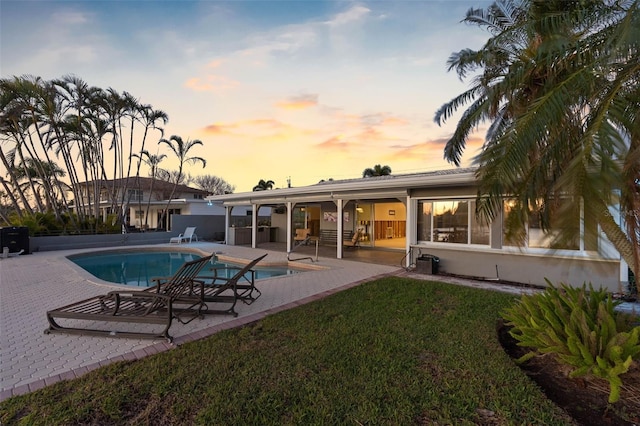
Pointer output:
x,y
305,241
412,265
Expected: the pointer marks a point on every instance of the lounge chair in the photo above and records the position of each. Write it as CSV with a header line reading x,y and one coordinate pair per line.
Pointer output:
x,y
239,286
354,242
302,236
137,306
187,236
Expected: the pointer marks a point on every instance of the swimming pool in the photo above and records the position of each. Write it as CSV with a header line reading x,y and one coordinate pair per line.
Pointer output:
x,y
138,268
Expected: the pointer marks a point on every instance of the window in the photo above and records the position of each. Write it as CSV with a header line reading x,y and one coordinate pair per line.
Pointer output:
x,y
198,196
535,236
424,220
511,238
451,221
479,231
135,194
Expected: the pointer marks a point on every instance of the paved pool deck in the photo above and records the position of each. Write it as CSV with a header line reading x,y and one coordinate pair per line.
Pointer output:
x,y
32,284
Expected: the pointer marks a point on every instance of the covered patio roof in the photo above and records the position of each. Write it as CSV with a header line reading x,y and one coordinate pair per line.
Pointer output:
x,y
379,187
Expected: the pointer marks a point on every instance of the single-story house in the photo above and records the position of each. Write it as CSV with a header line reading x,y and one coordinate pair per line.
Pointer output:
x,y
432,214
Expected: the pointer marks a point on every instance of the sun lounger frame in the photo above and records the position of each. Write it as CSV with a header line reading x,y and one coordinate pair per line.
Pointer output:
x,y
242,285
137,306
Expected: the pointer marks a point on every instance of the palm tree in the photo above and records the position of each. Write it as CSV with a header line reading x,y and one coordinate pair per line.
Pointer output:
x,y
14,202
559,85
81,102
153,161
53,112
181,150
66,119
31,174
10,130
377,170
22,96
148,117
263,185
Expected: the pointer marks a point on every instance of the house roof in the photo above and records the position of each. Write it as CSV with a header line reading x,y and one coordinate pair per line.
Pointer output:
x,y
390,186
144,183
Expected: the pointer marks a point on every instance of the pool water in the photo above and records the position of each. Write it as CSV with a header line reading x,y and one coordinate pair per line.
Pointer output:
x,y
137,269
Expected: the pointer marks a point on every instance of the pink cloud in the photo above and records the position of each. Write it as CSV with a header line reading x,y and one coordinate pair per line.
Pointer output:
x,y
394,121
216,63
334,144
219,128
211,83
431,149
259,129
298,102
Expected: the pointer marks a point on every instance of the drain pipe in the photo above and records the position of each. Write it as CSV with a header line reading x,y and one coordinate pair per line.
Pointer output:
x,y
497,278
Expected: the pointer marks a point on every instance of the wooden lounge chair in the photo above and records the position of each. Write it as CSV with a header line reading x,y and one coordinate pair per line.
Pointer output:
x,y
187,236
354,242
136,306
223,289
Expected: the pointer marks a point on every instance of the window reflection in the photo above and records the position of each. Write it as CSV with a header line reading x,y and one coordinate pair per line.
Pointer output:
x,y
534,235
424,220
479,230
448,221
451,221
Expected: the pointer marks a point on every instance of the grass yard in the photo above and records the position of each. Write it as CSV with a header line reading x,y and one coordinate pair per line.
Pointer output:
x,y
393,351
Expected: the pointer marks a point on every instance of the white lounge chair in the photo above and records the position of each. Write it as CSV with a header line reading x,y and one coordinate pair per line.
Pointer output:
x,y
188,235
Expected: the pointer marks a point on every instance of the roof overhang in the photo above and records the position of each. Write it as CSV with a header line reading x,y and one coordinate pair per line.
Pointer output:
x,y
383,187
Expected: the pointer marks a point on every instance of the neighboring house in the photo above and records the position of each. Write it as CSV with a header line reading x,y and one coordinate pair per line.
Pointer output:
x,y
139,195
431,213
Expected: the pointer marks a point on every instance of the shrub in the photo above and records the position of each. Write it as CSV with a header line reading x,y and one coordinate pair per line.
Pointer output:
x,y
580,328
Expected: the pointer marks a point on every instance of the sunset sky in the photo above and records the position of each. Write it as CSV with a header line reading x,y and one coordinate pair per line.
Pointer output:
x,y
306,90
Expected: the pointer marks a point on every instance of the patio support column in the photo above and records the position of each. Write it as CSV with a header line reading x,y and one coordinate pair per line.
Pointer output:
x,y
340,205
254,225
411,231
289,225
227,222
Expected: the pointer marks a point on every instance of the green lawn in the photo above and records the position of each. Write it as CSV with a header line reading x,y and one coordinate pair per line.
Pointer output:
x,y
392,351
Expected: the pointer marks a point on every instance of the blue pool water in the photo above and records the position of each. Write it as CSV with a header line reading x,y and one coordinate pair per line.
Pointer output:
x,y
139,268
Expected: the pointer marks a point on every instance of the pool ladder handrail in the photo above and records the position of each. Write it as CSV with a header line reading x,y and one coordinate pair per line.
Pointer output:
x,y
305,241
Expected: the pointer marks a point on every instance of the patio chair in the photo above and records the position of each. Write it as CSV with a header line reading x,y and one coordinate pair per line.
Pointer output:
x,y
138,307
240,285
354,242
187,236
302,236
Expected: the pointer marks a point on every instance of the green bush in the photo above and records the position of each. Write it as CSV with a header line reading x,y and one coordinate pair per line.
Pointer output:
x,y
580,328
44,224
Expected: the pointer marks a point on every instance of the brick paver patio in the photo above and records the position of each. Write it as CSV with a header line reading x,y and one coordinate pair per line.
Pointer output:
x,y
32,284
